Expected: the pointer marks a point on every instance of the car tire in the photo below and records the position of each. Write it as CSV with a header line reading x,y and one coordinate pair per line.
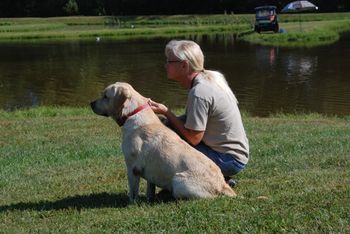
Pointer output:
x,y
257,29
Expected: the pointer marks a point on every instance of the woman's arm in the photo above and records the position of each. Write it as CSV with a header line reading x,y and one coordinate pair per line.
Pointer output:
x,y
191,136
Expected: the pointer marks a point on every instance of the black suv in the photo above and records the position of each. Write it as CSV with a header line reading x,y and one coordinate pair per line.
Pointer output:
x,y
266,19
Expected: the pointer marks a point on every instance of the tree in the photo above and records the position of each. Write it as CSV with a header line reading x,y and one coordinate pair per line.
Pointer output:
x,y
92,7
47,8
71,7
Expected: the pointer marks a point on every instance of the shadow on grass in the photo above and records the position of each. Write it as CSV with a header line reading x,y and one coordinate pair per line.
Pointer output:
x,y
78,202
100,200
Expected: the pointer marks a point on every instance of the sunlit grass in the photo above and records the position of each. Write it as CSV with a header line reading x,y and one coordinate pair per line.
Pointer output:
x,y
126,27
62,171
302,34
78,32
302,29
304,17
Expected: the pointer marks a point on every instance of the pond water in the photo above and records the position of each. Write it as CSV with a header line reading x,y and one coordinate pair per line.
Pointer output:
x,y
264,79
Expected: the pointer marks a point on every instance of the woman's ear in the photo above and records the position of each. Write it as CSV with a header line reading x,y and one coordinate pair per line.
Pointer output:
x,y
185,65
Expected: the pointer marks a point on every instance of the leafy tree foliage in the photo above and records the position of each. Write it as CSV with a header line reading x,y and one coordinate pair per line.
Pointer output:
x,y
44,8
71,7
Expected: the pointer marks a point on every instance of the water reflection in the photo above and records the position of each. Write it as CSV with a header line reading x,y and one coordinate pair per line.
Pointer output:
x,y
300,69
266,56
265,79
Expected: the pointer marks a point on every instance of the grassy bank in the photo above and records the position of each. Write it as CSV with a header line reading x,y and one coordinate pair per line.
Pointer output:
x,y
118,27
62,171
302,30
302,34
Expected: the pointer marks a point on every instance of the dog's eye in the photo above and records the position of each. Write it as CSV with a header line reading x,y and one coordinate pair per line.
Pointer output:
x,y
105,96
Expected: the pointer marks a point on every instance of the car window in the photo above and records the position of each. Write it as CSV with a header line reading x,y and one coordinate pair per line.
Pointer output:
x,y
263,13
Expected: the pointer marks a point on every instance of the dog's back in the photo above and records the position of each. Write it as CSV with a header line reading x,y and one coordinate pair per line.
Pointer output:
x,y
171,163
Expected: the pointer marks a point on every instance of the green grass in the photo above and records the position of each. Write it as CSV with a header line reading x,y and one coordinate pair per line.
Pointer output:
x,y
296,17
62,171
302,34
303,30
117,27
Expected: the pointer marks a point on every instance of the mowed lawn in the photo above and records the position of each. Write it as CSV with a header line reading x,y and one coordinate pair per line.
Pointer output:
x,y
300,30
62,171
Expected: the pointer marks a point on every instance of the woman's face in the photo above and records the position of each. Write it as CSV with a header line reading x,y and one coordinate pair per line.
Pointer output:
x,y
173,68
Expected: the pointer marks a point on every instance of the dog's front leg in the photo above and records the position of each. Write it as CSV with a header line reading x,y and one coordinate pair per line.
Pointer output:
x,y
134,183
151,191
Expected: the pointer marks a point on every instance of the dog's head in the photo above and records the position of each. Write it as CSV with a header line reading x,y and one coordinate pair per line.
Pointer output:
x,y
112,102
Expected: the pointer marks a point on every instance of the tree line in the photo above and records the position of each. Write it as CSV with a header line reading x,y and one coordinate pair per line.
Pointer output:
x,y
47,8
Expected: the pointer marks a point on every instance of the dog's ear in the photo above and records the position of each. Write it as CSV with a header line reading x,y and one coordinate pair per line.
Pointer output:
x,y
111,91
122,94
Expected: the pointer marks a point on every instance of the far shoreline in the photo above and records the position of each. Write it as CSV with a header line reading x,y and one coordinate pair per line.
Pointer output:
x,y
305,30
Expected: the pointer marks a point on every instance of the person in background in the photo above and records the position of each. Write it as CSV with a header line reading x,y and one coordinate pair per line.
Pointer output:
x,y
212,122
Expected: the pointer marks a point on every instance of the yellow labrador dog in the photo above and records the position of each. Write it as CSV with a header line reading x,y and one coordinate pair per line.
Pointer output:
x,y
155,152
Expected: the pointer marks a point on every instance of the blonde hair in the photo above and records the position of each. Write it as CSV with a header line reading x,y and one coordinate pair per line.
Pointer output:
x,y
190,51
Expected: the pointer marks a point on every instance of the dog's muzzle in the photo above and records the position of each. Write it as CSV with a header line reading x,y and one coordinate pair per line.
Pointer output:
x,y
93,107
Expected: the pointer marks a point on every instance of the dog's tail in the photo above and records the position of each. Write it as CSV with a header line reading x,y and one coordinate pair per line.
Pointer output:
x,y
228,191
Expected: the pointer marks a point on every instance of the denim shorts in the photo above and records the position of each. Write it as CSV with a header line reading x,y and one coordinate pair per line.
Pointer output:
x,y
227,163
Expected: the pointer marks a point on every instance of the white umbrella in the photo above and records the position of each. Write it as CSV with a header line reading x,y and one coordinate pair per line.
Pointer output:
x,y
299,6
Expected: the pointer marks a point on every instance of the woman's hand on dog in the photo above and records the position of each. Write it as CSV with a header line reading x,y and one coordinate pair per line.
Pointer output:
x,y
158,108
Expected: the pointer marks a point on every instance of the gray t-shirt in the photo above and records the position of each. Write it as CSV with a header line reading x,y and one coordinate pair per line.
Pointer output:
x,y
210,109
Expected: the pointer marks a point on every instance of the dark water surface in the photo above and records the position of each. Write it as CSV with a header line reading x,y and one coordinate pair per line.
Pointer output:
x,y
264,79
